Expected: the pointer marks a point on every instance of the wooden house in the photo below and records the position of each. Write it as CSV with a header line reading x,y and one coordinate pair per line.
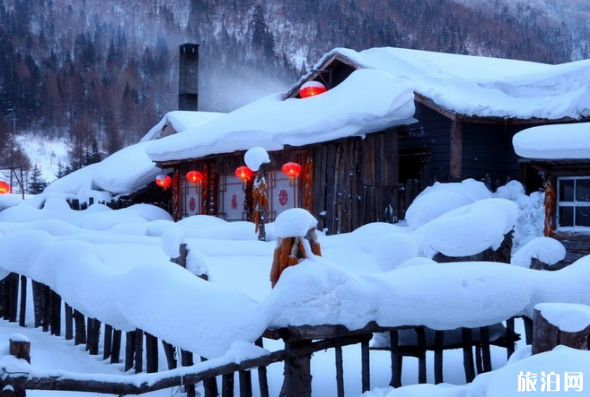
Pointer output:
x,y
465,111
561,153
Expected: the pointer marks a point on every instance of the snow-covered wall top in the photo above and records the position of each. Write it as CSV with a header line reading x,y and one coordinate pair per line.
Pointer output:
x,y
368,101
180,120
553,142
483,86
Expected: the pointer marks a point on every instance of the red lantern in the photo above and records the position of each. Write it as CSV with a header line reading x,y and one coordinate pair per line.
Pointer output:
x,y
244,173
292,170
312,88
4,187
164,181
194,177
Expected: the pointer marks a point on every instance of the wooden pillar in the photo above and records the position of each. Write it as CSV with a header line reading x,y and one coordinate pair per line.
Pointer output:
x,y
262,377
227,385
93,338
138,351
23,301
80,334
339,368
129,349
20,347
55,314
297,373
14,284
69,322
439,343
421,337
116,347
456,149
151,353
186,360
245,383
547,335
365,365
37,287
486,353
510,337
396,360
108,341
468,354
169,352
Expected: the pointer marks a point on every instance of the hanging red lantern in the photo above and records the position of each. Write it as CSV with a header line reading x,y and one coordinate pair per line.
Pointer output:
x,y
292,170
312,88
244,173
194,177
4,187
164,181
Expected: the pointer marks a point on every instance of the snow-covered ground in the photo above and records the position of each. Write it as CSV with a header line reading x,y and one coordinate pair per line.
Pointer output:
x,y
115,266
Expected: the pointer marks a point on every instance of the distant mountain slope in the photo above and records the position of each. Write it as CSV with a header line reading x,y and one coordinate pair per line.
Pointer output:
x,y
107,71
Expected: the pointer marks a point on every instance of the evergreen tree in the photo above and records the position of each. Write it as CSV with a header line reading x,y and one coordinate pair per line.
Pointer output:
x,y
36,182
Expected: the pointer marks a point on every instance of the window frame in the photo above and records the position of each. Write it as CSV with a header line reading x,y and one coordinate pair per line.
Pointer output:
x,y
573,204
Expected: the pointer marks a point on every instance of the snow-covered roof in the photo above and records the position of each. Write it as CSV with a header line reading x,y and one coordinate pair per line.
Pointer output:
x,y
180,120
368,101
554,142
129,169
482,86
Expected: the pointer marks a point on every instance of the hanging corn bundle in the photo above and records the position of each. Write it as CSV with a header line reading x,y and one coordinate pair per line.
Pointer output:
x,y
549,204
260,203
290,251
307,203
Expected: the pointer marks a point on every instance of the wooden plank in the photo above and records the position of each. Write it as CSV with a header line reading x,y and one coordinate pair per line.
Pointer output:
x,y
129,349
227,385
396,360
456,151
80,328
421,337
151,353
245,378
138,351
339,368
116,347
510,337
23,301
108,342
366,367
439,340
55,314
262,375
485,347
468,363
69,322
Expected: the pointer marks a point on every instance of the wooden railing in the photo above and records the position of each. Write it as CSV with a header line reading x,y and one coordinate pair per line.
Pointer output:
x,y
299,345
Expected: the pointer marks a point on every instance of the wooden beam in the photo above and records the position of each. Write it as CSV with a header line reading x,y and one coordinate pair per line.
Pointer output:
x,y
456,151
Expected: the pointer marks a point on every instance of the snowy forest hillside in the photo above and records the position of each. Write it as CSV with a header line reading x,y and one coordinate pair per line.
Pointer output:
x,y
100,74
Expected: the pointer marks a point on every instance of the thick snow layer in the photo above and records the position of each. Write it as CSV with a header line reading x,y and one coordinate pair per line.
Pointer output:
x,y
295,222
367,101
551,142
568,317
483,86
255,157
460,233
440,198
545,249
180,121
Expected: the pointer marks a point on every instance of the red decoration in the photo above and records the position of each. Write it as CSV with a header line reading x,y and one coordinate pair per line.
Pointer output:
x,y
312,88
283,197
164,181
194,177
4,187
244,173
292,170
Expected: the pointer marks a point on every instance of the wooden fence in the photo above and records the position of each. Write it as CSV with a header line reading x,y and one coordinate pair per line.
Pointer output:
x,y
300,344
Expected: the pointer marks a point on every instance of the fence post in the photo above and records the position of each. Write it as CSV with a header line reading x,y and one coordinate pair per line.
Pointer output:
x,y
549,332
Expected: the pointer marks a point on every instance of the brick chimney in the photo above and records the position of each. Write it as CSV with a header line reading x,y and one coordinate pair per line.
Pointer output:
x,y
188,77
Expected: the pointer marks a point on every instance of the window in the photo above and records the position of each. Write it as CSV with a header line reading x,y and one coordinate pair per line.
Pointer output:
x,y
573,204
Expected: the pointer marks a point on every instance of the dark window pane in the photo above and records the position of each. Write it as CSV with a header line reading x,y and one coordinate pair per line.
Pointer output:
x,y
583,190
566,190
583,216
566,216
